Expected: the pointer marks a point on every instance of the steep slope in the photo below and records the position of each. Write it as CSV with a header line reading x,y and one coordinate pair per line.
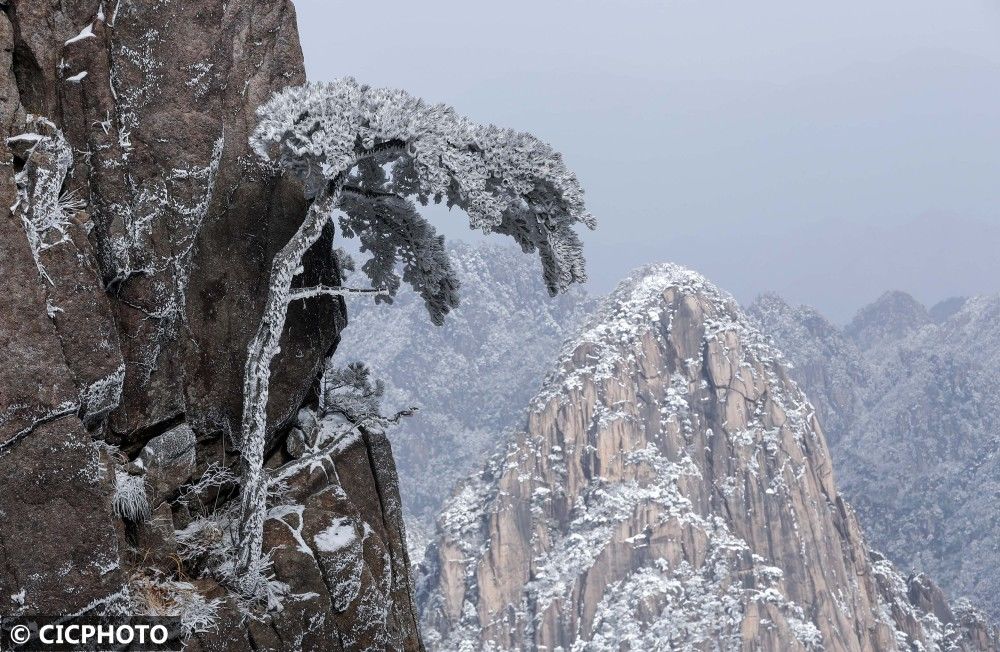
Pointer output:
x,y
471,377
824,361
138,231
916,455
889,318
672,490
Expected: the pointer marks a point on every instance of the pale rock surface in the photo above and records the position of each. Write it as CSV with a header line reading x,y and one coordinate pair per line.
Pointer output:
x,y
672,490
913,426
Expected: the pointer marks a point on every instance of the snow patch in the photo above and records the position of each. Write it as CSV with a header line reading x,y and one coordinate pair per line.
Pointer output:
x,y
85,33
339,535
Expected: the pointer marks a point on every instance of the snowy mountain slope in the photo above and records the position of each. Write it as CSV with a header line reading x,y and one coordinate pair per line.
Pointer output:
x,y
889,318
825,362
916,447
672,490
471,377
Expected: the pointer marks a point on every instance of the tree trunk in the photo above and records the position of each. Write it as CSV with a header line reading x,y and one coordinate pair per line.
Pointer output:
x,y
261,351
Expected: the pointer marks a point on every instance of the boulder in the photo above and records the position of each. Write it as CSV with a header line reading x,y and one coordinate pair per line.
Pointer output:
x,y
167,462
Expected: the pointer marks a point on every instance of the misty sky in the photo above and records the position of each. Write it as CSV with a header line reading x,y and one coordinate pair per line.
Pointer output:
x,y
827,152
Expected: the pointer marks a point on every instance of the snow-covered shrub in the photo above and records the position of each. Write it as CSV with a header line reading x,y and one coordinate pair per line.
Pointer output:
x,y
130,500
215,478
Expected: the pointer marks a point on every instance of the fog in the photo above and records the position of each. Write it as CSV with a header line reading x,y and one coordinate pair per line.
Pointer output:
x,y
825,152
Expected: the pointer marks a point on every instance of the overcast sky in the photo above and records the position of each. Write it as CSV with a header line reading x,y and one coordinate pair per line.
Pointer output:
x,y
827,152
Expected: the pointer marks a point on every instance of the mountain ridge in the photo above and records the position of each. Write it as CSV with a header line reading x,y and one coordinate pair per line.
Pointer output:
x,y
672,488
914,447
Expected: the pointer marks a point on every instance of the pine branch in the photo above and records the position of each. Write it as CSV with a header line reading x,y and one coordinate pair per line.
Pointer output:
x,y
394,147
369,194
330,291
396,418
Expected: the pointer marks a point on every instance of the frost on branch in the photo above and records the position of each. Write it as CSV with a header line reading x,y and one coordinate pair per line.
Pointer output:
x,y
390,229
350,391
368,153
44,209
507,181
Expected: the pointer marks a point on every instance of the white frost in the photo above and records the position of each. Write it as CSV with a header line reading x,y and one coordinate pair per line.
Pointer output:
x,y
130,499
87,32
339,535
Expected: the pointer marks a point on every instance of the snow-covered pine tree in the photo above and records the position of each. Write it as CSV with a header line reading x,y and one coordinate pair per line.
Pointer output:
x,y
364,156
351,392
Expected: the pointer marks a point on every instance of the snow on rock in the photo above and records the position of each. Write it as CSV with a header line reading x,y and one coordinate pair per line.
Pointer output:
x,y
907,398
671,490
40,203
339,535
499,342
85,33
335,539
103,395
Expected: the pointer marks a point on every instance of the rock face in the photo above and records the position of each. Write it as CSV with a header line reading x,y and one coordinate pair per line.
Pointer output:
x,y
672,490
915,446
471,378
137,235
337,544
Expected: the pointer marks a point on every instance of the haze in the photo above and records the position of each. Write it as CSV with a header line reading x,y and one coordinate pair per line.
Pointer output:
x,y
827,152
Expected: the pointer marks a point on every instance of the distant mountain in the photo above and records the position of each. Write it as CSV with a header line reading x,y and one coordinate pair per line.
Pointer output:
x,y
942,310
671,490
471,377
826,362
891,317
916,441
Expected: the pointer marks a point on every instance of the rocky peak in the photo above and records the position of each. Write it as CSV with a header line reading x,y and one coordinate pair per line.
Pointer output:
x,y
944,309
888,319
672,489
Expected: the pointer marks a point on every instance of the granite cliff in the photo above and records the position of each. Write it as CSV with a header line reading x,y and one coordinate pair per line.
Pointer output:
x,y
138,230
672,489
